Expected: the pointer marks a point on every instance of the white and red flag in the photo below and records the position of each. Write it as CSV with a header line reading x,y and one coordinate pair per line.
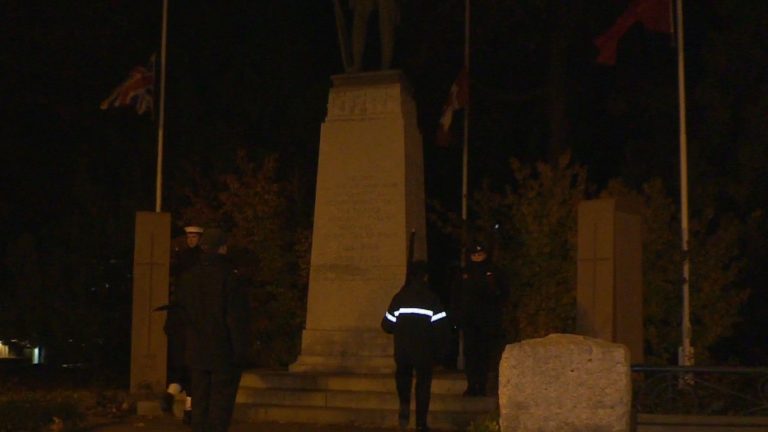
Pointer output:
x,y
457,99
137,90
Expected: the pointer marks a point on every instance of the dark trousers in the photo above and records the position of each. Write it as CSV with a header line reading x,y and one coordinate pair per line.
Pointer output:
x,y
479,348
215,392
180,375
404,380
177,369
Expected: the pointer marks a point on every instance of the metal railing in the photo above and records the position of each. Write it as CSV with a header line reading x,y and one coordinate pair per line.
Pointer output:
x,y
693,390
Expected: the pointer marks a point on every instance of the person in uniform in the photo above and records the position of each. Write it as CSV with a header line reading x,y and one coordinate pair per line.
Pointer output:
x,y
215,311
478,311
418,322
185,254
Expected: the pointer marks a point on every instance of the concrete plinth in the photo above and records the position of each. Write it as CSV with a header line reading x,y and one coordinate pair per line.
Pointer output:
x,y
370,195
610,277
150,289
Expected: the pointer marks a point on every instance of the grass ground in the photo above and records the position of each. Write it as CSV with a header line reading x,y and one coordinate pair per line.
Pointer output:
x,y
43,398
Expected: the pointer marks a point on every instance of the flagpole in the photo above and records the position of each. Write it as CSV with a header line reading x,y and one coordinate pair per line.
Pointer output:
x,y
161,112
464,170
465,147
686,356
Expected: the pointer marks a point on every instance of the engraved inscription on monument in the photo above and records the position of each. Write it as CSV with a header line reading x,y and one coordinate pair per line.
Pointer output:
x,y
369,197
355,247
363,102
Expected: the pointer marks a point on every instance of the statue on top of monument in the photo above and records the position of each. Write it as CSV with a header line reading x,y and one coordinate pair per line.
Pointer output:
x,y
388,12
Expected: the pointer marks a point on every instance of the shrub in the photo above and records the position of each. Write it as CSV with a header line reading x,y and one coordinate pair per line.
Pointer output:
x,y
536,244
716,264
270,246
486,423
536,249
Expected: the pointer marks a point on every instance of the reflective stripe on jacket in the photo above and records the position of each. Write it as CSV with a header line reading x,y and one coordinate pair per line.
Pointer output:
x,y
419,323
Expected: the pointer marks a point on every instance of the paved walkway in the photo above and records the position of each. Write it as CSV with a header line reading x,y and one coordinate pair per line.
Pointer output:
x,y
171,424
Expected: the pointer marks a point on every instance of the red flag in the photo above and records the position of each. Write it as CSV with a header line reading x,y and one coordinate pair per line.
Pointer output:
x,y
654,15
136,90
457,99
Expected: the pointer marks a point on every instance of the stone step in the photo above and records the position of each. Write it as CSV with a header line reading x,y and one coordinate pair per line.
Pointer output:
x,y
442,382
350,399
359,400
442,420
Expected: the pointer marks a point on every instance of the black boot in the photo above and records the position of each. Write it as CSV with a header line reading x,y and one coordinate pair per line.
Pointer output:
x,y
472,390
403,418
187,418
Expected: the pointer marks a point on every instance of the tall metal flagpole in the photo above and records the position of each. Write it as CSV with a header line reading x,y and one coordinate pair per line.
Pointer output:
x,y
464,172
465,147
161,113
686,355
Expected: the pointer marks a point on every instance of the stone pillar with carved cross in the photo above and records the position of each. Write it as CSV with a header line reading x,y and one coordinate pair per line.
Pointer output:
x,y
151,258
370,195
609,297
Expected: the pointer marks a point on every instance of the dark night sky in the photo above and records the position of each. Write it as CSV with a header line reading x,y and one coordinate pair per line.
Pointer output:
x,y
248,74
232,71
255,75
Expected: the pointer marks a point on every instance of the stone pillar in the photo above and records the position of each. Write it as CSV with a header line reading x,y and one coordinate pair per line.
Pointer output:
x,y
151,258
565,383
609,274
370,195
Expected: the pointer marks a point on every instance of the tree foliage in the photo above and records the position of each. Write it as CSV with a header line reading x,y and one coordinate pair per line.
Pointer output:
x,y
536,247
716,258
269,243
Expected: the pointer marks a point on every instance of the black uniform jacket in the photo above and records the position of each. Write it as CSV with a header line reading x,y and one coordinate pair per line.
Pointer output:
x,y
215,311
182,259
481,298
418,322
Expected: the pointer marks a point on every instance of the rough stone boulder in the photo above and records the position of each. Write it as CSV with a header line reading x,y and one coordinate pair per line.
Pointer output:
x,y
565,383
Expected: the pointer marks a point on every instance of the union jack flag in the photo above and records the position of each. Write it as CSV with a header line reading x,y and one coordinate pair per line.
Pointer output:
x,y
137,90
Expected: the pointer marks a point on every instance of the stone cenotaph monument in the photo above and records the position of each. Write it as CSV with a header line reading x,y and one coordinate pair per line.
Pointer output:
x,y
369,204
370,196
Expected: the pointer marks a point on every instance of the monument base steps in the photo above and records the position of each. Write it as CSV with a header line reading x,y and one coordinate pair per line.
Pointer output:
x,y
355,399
148,408
343,364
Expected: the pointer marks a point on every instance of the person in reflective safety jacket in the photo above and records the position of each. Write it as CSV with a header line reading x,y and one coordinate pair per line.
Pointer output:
x,y
418,322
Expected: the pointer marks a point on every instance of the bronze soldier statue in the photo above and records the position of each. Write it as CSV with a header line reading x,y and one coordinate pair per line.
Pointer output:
x,y
388,11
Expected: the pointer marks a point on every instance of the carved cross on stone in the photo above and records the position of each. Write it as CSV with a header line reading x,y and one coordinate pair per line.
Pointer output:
x,y
150,290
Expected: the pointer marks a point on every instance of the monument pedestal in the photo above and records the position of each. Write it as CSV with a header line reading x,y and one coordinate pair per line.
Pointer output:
x,y
370,195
